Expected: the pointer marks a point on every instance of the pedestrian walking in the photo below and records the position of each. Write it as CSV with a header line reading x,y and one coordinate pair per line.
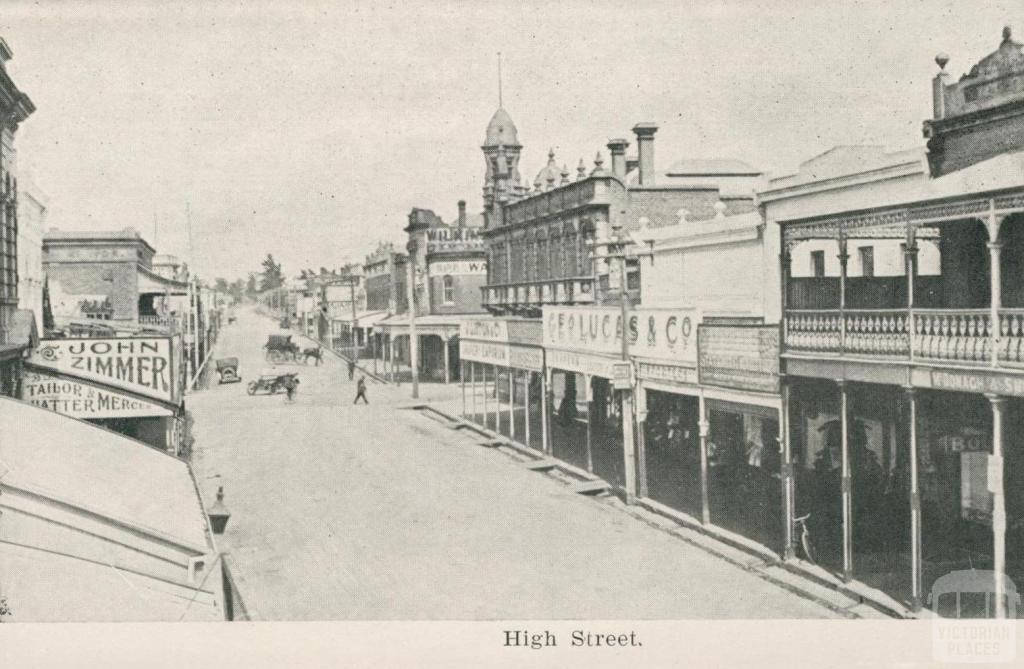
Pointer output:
x,y
291,384
351,370
361,390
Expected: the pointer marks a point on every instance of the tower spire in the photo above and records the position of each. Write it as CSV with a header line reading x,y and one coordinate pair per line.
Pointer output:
x,y
500,105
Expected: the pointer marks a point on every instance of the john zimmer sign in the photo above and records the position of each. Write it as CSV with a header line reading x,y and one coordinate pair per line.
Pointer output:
x,y
139,364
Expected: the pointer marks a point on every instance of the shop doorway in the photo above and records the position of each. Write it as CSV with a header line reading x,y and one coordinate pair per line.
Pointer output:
x,y
672,451
570,419
606,437
744,471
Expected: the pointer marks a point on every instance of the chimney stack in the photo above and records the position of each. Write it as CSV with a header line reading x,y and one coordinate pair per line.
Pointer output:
x,y
617,147
462,213
645,151
939,87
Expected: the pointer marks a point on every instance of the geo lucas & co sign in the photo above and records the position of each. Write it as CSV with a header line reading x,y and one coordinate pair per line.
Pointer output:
x,y
664,334
141,365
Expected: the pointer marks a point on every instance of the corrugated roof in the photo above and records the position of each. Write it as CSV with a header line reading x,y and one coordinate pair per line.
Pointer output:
x,y
100,471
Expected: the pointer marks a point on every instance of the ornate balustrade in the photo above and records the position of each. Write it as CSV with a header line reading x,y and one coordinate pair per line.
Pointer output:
x,y
955,335
877,332
818,331
959,336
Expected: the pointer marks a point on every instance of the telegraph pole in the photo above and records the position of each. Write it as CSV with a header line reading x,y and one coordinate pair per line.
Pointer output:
x,y
414,349
617,247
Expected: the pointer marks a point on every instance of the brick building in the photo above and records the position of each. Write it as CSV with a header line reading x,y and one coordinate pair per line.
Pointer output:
x,y
108,276
450,268
546,252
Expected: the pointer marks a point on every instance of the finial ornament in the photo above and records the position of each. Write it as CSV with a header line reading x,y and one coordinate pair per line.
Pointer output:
x,y
565,174
581,171
598,162
941,60
500,105
1007,33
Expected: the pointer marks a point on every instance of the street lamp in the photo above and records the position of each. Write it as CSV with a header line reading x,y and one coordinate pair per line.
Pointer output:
x,y
414,352
615,244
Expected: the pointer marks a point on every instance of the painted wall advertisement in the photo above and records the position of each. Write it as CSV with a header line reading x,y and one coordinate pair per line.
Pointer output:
x,y
666,334
141,365
458,267
739,356
79,399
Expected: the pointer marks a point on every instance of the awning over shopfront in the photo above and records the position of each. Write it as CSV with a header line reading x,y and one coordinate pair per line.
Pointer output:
x,y
151,282
364,319
444,326
99,527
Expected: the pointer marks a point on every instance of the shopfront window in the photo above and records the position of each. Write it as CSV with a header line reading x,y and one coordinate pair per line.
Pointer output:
x,y
744,475
880,487
954,439
672,451
569,418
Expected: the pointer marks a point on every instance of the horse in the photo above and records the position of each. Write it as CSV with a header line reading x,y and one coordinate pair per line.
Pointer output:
x,y
314,353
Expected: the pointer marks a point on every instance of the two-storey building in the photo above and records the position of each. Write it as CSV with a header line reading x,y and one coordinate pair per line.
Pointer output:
x,y
903,342
449,267
16,326
547,277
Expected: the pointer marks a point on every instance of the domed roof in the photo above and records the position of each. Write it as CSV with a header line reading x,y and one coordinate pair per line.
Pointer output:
x,y
501,130
549,174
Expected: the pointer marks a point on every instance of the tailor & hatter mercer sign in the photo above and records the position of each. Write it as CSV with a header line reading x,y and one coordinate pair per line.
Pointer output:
x,y
80,399
142,365
666,334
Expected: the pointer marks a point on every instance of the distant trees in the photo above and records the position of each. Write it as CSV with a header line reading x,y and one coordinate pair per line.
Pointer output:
x,y
271,277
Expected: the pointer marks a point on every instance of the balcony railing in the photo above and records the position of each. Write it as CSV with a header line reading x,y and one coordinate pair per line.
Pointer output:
x,y
170,323
535,294
960,336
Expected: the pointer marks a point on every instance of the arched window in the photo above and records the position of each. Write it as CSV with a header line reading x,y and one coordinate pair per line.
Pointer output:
x,y
448,289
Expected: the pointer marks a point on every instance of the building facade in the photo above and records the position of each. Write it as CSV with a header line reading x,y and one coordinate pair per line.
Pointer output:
x,y
564,266
904,381
107,278
15,328
32,203
449,267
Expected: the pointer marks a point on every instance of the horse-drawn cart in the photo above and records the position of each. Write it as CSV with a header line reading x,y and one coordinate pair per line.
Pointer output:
x,y
280,348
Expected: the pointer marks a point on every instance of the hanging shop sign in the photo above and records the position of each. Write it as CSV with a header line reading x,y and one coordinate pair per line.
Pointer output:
x,y
667,334
745,357
486,352
622,377
80,399
142,365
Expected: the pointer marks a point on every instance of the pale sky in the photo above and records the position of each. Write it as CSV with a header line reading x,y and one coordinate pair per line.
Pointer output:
x,y
310,130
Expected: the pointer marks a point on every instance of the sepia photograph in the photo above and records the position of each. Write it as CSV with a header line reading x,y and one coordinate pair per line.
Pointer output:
x,y
453,333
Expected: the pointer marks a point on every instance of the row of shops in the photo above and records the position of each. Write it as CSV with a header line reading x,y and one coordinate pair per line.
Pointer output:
x,y
718,439
704,433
